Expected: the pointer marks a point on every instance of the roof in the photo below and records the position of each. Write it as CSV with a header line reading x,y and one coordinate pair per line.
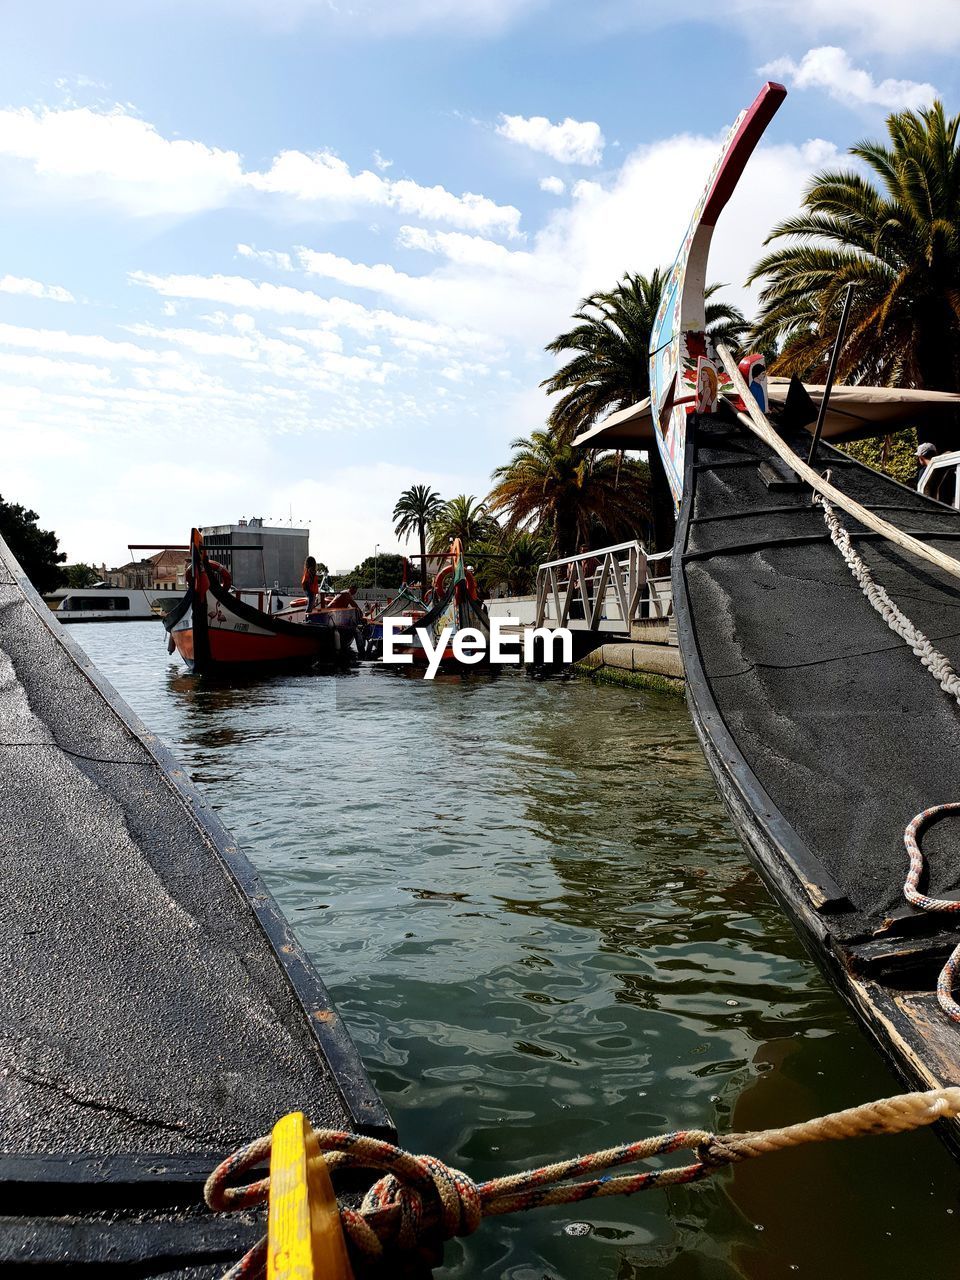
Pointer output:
x,y
853,413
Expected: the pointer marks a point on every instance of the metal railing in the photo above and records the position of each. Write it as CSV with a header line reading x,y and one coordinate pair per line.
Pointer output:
x,y
605,590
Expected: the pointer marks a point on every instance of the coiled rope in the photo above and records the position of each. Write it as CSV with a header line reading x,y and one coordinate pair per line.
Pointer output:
x,y
948,680
422,1201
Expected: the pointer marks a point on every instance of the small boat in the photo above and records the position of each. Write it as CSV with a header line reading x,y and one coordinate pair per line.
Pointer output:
x,y
452,601
157,1011
214,630
112,604
407,604
824,732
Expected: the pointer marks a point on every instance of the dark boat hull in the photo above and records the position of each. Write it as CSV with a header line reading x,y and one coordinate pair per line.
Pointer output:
x,y
157,1009
823,731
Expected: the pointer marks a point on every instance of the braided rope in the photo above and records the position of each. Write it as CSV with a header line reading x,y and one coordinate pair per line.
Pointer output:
x,y
945,675
421,1200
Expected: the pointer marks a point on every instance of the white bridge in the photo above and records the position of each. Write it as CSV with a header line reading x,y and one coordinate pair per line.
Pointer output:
x,y
618,589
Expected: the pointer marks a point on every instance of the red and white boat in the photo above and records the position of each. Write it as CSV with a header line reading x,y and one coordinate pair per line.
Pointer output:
x,y
215,631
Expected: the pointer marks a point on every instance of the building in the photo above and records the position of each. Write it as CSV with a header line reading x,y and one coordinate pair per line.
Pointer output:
x,y
165,571
277,563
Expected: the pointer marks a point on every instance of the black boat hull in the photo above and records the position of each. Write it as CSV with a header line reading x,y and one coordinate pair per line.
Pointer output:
x,y
823,732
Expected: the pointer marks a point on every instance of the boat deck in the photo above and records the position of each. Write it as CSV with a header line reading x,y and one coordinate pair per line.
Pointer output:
x,y
832,711
154,1000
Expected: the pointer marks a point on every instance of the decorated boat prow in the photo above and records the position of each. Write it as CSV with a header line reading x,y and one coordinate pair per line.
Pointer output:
x,y
679,361
214,631
454,605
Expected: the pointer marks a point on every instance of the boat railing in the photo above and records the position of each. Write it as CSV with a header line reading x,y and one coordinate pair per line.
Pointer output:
x,y
608,588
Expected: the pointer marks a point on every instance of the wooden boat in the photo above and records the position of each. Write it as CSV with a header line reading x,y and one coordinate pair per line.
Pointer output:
x,y
157,1010
454,602
215,631
407,604
824,732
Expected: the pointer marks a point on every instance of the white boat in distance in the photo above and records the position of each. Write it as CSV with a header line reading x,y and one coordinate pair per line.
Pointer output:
x,y
113,604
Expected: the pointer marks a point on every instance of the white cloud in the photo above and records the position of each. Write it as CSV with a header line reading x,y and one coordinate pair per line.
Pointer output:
x,y
333,313
570,142
388,18
282,261
323,177
556,186
116,157
831,69
382,162
45,369
92,345
34,289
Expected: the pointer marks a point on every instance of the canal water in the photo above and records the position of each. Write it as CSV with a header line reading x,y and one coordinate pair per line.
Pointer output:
x,y
536,920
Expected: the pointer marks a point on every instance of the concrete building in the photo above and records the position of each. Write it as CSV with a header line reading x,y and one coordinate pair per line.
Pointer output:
x,y
280,562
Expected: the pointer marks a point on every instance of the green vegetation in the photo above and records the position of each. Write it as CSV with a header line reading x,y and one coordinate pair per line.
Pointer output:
x,y
895,455
35,548
510,559
80,575
464,517
897,242
646,680
573,500
383,570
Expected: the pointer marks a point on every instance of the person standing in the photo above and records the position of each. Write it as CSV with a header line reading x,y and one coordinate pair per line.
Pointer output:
x,y
310,582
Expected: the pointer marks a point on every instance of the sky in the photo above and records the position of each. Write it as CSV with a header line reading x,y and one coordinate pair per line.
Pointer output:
x,y
285,258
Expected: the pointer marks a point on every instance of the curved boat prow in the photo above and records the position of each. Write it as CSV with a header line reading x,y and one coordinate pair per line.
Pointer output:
x,y
678,339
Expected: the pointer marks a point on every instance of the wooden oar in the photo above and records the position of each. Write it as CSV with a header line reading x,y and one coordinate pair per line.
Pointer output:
x,y
756,420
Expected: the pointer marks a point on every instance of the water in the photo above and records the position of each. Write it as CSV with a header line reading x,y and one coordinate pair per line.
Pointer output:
x,y
530,908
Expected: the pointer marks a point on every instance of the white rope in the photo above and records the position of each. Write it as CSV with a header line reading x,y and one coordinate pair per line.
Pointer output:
x,y
896,620
949,682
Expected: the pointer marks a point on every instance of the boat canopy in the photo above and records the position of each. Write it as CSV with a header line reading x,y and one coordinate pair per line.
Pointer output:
x,y
854,413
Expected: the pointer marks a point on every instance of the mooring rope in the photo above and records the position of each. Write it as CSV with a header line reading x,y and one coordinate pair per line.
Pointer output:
x,y
945,675
421,1200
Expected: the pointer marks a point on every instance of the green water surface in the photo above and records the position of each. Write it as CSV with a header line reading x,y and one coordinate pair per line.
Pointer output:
x,y
532,912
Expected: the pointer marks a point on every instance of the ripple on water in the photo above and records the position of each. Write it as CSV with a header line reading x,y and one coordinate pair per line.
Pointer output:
x,y
529,906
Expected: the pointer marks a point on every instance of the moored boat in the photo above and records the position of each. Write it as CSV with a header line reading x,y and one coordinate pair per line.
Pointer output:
x,y
809,601
157,1009
214,630
453,606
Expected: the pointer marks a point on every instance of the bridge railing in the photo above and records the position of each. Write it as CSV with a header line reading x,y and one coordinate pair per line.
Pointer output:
x,y
605,590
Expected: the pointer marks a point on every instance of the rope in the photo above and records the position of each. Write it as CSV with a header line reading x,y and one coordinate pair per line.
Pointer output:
x,y
945,675
422,1200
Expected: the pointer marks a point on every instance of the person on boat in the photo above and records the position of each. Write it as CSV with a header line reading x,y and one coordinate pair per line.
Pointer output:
x,y
925,454
310,582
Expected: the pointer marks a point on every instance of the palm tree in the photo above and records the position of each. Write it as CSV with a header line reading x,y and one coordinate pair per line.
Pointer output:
x,y
511,558
897,240
610,367
464,517
416,509
567,497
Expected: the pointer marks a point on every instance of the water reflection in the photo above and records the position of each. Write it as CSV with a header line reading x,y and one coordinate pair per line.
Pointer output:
x,y
532,912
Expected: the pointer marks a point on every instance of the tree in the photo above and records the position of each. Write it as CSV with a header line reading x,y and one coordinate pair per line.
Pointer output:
x,y
416,509
610,367
464,517
510,558
80,575
568,497
897,240
35,548
382,570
